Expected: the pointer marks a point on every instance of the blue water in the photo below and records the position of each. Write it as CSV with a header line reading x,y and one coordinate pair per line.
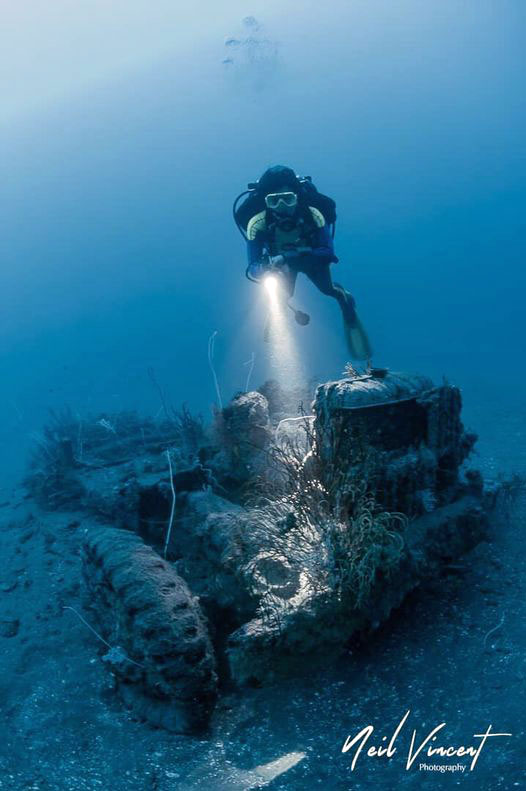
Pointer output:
x,y
126,138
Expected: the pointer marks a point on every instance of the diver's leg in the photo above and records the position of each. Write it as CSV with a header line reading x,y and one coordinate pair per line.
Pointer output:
x,y
319,273
288,279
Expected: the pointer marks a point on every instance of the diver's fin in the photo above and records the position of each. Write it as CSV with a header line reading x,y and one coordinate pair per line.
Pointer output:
x,y
301,317
357,340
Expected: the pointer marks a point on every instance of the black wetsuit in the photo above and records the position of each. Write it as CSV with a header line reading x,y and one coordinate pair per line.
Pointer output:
x,y
319,272
314,264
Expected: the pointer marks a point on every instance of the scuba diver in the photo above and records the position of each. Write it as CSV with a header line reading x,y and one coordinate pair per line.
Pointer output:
x,y
289,228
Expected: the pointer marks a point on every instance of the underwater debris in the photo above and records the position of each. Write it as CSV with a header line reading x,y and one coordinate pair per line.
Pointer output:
x,y
69,445
107,425
286,534
137,598
351,371
9,627
367,513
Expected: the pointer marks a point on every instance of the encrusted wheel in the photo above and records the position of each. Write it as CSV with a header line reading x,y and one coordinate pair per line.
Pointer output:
x,y
161,653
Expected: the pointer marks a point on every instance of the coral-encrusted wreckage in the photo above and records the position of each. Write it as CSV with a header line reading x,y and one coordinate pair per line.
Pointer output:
x,y
248,550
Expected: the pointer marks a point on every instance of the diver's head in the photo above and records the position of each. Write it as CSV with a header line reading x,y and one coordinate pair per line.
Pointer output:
x,y
280,186
283,202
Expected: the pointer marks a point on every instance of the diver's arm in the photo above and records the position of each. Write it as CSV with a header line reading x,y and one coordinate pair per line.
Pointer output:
x,y
254,254
323,246
259,261
254,249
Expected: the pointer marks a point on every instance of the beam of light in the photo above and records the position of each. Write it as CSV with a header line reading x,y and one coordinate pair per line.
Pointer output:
x,y
284,358
226,779
272,287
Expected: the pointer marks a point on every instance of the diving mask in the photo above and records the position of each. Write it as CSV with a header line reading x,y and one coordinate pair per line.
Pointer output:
x,y
279,201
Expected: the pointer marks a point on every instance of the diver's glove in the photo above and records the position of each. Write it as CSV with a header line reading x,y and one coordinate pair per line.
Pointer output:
x,y
270,263
276,261
278,264
256,270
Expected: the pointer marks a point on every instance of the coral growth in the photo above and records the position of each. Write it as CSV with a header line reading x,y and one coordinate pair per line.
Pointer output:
x,y
293,531
333,533
70,444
